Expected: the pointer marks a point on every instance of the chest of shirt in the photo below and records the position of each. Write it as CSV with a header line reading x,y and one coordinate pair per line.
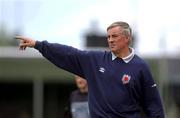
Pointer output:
x,y
118,72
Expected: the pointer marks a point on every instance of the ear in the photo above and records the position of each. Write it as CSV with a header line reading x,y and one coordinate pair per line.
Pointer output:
x,y
128,39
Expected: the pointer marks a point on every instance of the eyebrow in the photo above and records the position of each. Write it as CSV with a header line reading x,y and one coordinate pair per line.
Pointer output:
x,y
114,35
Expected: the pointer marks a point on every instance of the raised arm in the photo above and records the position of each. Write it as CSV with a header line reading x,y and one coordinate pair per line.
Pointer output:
x,y
25,42
63,56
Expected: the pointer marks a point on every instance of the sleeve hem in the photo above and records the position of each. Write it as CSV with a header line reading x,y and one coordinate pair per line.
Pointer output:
x,y
37,44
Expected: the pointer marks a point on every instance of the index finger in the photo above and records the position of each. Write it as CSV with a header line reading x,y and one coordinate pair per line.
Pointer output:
x,y
19,37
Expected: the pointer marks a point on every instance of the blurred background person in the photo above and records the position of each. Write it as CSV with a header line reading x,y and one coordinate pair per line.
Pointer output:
x,y
78,102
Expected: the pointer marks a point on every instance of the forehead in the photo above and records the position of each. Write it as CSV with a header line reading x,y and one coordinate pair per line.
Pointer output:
x,y
116,29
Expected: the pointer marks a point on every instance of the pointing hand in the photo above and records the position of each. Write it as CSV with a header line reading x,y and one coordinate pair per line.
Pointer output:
x,y
25,42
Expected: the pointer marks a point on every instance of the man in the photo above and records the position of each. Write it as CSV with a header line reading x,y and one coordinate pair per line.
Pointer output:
x,y
119,81
78,107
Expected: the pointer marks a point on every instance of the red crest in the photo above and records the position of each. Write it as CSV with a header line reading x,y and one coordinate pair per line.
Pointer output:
x,y
126,78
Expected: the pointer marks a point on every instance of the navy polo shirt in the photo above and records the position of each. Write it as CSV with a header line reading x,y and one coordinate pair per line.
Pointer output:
x,y
118,88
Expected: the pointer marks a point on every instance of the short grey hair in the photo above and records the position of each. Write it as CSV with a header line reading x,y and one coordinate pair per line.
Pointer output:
x,y
125,26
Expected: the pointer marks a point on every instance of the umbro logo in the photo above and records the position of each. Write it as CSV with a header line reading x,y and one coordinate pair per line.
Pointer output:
x,y
101,69
154,85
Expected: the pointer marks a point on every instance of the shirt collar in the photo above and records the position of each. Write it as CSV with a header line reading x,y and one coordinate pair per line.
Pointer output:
x,y
126,59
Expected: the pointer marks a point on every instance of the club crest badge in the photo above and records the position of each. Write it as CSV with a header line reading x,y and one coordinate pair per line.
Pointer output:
x,y
126,78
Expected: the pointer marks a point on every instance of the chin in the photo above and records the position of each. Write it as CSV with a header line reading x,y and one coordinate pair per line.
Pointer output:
x,y
113,50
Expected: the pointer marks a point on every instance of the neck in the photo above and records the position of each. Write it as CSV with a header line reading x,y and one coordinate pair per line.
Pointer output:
x,y
124,53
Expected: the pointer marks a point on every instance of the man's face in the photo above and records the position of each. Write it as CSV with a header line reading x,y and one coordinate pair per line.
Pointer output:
x,y
116,39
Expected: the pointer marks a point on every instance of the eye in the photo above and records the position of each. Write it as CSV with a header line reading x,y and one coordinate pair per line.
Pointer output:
x,y
115,36
108,37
